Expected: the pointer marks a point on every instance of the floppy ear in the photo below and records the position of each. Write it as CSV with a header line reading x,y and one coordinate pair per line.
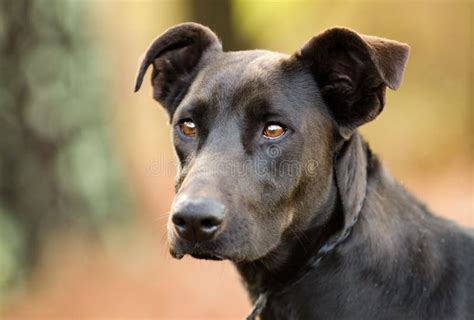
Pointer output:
x,y
176,56
351,176
352,72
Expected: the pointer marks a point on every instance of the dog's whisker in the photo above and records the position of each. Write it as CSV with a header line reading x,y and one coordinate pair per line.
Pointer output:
x,y
162,216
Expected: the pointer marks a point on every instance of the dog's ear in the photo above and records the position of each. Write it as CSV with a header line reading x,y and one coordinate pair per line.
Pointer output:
x,y
351,176
352,72
176,56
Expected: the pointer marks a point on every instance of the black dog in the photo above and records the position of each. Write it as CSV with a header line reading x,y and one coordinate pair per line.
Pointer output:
x,y
275,177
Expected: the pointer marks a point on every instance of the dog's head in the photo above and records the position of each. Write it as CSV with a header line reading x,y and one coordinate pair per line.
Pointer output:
x,y
256,133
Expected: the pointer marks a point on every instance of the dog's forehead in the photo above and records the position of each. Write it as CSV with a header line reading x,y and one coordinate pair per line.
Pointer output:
x,y
248,82
238,74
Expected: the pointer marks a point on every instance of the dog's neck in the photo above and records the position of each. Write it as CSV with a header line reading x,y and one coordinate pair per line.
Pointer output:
x,y
381,241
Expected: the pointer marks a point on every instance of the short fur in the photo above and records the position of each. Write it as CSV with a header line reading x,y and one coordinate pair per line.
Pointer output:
x,y
287,199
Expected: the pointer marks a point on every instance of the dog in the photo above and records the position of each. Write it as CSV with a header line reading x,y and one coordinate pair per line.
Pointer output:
x,y
275,177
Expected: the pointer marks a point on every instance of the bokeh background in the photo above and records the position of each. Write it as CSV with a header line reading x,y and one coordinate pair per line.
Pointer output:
x,y
87,169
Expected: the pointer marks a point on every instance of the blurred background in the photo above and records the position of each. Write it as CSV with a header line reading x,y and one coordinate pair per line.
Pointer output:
x,y
87,169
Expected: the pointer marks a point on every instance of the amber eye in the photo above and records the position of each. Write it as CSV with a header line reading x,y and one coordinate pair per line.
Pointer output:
x,y
188,128
273,131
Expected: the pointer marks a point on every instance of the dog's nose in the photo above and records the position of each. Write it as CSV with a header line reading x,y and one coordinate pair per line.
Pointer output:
x,y
198,219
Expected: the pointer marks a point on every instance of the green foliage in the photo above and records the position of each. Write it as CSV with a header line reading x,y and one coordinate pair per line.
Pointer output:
x,y
57,170
11,247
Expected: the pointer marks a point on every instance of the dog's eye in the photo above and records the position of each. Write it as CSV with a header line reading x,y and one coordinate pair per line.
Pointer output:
x,y
273,131
188,128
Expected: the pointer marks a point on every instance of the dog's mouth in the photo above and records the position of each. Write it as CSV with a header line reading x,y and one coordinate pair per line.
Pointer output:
x,y
198,254
207,256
